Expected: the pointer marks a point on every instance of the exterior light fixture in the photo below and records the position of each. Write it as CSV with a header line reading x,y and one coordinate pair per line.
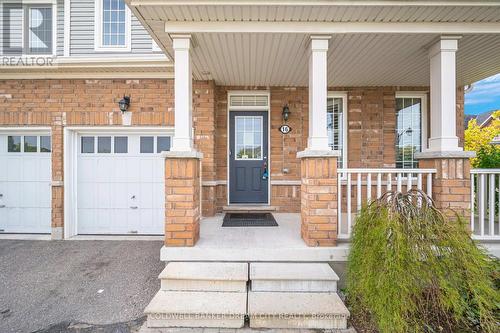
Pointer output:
x,y
407,131
124,103
285,113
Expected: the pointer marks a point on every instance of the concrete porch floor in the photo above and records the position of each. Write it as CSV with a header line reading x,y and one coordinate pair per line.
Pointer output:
x,y
254,244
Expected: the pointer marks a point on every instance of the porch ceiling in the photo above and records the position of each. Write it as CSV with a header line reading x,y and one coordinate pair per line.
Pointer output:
x,y
250,55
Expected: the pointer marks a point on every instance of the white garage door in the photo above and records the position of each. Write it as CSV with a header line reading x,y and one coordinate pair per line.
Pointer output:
x,y
120,184
25,183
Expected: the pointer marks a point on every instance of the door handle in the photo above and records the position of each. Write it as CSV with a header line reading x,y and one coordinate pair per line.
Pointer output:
x,y
134,207
2,206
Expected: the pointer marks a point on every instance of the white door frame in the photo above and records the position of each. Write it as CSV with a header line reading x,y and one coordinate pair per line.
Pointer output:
x,y
70,163
250,108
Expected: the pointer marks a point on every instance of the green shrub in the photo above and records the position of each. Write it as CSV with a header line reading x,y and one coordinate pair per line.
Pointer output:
x,y
413,270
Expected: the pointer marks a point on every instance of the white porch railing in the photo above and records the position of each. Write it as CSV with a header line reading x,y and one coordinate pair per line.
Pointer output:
x,y
360,186
485,208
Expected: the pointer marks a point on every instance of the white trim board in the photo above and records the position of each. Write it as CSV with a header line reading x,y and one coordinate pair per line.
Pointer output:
x,y
320,28
267,3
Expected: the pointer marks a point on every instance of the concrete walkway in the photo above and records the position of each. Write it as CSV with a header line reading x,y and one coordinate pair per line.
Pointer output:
x,y
76,286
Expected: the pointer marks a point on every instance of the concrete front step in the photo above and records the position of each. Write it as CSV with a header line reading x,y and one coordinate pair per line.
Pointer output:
x,y
296,310
204,276
293,277
197,309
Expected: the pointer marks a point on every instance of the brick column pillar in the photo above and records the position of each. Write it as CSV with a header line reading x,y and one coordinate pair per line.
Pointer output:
x,y
57,213
182,198
319,197
451,184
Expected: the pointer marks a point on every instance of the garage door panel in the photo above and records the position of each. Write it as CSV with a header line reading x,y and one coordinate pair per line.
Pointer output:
x,y
87,215
85,195
29,194
105,169
158,195
3,170
145,199
103,195
86,169
146,170
25,187
30,169
15,169
132,222
44,169
127,190
120,197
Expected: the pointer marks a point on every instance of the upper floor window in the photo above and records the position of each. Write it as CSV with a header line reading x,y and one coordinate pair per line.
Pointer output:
x,y
112,26
28,28
336,126
409,129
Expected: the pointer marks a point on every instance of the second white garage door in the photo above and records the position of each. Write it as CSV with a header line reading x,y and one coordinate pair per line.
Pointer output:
x,y
120,184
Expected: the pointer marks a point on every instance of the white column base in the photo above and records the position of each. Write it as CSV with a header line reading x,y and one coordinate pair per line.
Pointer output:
x,y
317,143
444,144
182,144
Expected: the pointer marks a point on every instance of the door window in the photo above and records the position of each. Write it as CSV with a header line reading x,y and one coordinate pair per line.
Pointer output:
x,y
248,137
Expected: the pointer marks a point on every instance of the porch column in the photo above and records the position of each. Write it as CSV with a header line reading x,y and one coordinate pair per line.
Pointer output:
x,y
443,95
183,162
183,90
451,184
318,162
318,90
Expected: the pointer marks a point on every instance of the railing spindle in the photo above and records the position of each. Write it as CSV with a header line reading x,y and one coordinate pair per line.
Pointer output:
x,y
349,204
368,187
358,206
379,185
481,204
339,203
492,204
472,202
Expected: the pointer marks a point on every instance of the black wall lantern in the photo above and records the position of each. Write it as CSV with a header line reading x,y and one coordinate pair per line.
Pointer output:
x,y
124,103
285,113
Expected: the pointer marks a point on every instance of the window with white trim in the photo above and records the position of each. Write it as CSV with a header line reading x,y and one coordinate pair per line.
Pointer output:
x,y
336,126
112,25
408,130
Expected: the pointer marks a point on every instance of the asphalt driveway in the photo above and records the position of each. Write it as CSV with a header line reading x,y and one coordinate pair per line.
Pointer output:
x,y
76,286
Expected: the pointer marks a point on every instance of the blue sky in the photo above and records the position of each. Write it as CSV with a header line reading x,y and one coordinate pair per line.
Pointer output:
x,y
485,96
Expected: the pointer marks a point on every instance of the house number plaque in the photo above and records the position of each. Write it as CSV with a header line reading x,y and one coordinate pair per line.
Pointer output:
x,y
285,129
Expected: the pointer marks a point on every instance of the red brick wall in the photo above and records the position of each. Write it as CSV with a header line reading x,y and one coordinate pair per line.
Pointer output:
x,y
371,117
58,103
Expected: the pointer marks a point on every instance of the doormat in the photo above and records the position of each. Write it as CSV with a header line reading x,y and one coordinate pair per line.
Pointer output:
x,y
249,220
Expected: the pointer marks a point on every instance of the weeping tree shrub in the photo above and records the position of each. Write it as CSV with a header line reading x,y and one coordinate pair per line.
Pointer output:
x,y
413,270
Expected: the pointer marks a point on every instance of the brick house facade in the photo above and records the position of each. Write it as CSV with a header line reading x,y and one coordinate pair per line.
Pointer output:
x,y
61,103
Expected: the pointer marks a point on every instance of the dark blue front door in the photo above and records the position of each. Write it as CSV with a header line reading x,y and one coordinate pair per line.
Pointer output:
x,y
248,162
